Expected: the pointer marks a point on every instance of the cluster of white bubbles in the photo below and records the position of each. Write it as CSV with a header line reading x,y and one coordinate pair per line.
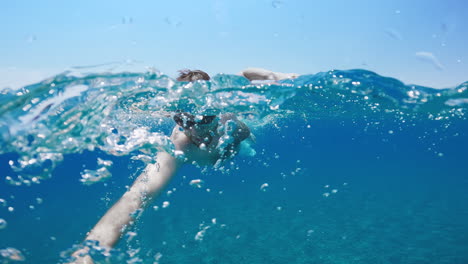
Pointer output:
x,y
101,174
203,228
12,254
120,114
331,190
130,113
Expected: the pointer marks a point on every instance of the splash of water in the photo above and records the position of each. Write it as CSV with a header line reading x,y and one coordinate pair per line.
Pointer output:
x,y
131,113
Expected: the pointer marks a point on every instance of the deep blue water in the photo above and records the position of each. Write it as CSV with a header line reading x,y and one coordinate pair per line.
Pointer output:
x,y
401,195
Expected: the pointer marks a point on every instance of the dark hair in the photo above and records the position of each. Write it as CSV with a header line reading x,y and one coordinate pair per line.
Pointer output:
x,y
191,76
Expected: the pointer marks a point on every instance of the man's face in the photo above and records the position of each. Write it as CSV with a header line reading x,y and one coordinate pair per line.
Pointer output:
x,y
200,129
203,133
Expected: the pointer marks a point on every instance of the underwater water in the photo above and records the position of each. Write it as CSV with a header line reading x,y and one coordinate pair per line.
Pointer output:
x,y
346,167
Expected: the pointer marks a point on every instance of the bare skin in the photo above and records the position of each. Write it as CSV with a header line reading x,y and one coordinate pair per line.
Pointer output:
x,y
263,74
153,180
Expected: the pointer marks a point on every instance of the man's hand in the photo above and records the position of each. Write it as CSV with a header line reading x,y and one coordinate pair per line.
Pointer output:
x,y
262,75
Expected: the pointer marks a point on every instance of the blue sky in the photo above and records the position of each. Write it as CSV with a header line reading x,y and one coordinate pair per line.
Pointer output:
x,y
421,42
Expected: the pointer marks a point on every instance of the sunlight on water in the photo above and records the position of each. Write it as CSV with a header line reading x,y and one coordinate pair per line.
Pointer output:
x,y
131,114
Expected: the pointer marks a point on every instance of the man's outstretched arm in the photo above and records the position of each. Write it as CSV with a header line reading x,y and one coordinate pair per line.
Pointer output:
x,y
145,188
152,182
120,216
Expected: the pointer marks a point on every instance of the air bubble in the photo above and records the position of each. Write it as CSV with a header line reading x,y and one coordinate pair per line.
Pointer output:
x,y
3,224
274,107
158,256
130,235
200,234
264,187
197,183
165,204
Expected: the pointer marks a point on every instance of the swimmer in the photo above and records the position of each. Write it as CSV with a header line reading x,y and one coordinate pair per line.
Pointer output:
x,y
251,73
203,140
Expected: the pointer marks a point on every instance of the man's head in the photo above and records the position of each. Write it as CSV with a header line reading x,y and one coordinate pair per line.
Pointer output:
x,y
191,76
210,129
200,129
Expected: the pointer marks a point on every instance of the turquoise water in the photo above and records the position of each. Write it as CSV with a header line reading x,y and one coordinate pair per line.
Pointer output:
x,y
347,167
